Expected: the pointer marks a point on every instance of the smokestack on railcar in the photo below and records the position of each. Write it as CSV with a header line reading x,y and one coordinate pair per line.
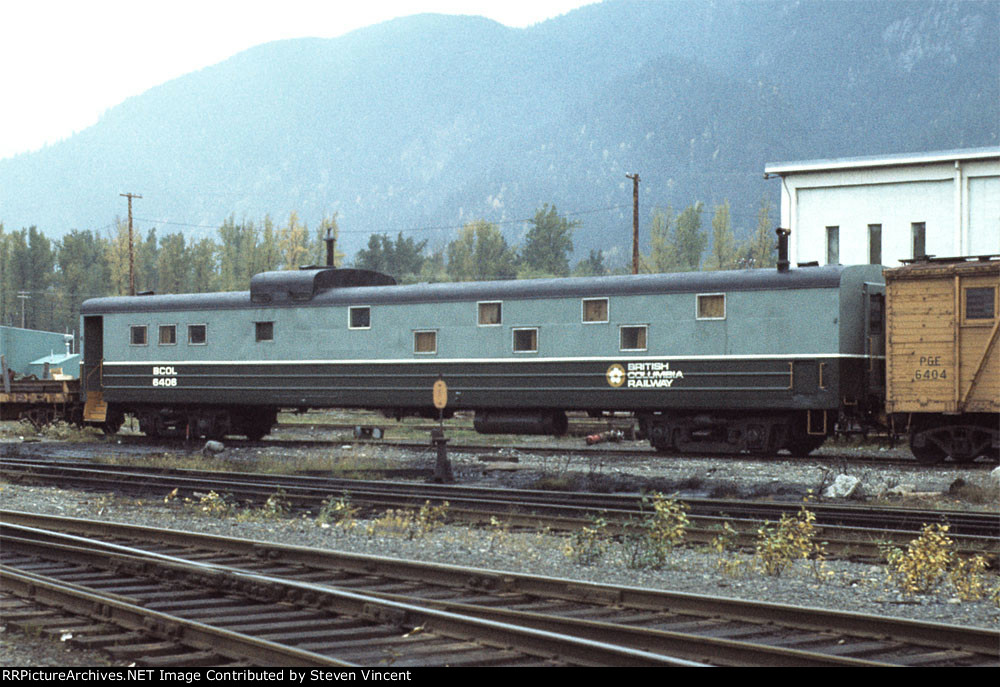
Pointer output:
x,y
330,240
782,248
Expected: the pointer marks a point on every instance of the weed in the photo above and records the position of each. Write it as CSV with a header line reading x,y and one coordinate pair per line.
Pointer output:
x,y
409,524
589,544
277,505
924,564
213,503
648,542
966,576
338,512
792,539
929,560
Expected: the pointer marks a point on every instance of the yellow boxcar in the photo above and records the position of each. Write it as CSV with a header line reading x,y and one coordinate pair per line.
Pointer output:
x,y
942,356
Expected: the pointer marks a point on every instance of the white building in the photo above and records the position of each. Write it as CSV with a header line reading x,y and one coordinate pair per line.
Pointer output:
x,y
886,209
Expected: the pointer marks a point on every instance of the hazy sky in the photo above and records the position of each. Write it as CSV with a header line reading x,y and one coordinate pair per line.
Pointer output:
x,y
64,62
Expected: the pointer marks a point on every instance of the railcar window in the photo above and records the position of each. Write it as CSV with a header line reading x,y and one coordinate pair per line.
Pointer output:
x,y
168,334
360,317
197,334
633,338
526,340
137,335
425,342
711,306
490,313
980,303
595,309
264,331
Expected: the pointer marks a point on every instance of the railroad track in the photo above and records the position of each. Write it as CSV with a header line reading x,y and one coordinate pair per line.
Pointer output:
x,y
603,452
858,532
419,613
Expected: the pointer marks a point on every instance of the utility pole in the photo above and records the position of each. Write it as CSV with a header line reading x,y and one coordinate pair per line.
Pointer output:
x,y
635,221
131,252
24,296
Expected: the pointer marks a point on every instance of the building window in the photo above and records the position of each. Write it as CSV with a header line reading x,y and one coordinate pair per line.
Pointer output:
x,y
490,313
168,334
425,342
197,334
711,306
526,340
137,335
833,245
980,303
874,244
264,331
595,309
633,338
919,232
360,317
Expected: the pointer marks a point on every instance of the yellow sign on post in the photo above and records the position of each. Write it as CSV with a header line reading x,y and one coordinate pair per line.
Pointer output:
x,y
440,394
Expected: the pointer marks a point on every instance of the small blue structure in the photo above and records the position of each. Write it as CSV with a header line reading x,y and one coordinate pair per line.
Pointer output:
x,y
67,363
22,347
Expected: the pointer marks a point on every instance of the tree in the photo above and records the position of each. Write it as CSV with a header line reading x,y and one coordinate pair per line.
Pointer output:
x,y
117,257
238,254
759,249
591,266
173,265
83,273
402,258
548,244
293,243
724,255
202,256
689,239
146,263
8,295
266,257
481,252
662,254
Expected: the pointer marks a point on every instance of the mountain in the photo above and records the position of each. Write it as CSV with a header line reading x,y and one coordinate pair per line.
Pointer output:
x,y
421,123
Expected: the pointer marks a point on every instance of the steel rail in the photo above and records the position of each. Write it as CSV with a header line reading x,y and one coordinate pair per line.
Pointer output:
x,y
111,608
847,531
406,613
876,629
961,522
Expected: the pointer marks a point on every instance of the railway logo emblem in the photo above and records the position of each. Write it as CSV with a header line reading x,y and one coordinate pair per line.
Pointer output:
x,y
615,375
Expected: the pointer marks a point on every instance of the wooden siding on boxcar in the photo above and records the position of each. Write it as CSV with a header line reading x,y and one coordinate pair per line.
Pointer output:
x,y
942,330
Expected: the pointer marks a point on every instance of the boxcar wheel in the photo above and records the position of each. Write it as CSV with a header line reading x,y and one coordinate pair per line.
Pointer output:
x,y
929,453
113,421
802,446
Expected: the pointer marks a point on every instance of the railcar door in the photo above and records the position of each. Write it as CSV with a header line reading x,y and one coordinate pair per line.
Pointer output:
x,y
93,352
874,295
91,370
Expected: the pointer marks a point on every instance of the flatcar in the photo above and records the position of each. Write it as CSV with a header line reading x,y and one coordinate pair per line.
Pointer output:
x,y
943,357
732,361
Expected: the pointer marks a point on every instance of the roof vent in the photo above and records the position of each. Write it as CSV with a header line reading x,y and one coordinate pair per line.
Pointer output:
x,y
301,285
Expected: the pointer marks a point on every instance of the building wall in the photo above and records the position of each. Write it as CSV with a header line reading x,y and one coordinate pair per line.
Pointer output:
x,y
20,347
957,200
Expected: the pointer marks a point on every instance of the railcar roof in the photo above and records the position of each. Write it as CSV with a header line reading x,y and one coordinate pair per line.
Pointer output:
x,y
572,287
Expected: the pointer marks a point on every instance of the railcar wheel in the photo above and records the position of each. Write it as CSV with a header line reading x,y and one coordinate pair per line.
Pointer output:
x,y
113,421
801,447
925,449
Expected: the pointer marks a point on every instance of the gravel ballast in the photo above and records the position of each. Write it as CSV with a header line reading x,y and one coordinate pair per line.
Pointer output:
x,y
838,585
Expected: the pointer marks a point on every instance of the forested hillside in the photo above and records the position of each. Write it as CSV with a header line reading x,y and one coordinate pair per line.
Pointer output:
x,y
417,129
